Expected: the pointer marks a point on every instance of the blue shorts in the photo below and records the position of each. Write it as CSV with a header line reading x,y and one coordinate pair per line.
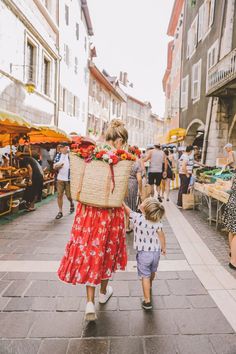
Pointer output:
x,y
147,262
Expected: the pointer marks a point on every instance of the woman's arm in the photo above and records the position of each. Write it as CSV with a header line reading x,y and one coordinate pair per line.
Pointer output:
x,y
162,239
147,157
127,209
140,184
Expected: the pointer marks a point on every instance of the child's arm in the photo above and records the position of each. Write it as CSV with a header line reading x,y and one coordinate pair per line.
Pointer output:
x,y
162,239
127,209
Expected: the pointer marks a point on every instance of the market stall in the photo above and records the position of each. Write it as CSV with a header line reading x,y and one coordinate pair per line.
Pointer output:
x,y
213,186
15,130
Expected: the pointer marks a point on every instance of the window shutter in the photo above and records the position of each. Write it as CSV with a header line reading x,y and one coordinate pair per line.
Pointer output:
x,y
195,32
200,23
188,44
212,11
61,98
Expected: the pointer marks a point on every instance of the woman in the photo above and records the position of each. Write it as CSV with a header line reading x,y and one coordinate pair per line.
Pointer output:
x,y
165,186
230,223
97,247
134,186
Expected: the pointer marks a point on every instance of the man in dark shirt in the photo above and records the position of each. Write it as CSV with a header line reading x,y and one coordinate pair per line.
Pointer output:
x,y
35,187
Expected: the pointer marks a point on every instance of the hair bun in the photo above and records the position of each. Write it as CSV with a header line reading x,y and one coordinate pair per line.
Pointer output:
x,y
116,123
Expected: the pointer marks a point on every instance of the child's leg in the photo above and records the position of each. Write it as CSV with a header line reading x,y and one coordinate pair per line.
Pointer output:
x,y
152,278
146,283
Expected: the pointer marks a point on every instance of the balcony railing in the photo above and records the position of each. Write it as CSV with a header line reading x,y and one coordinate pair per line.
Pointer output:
x,y
222,73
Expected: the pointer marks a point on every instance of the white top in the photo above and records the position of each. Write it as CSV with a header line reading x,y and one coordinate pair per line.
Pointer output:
x,y
156,161
63,174
189,164
145,233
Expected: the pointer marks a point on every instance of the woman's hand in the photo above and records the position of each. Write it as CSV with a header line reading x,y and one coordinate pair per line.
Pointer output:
x,y
163,251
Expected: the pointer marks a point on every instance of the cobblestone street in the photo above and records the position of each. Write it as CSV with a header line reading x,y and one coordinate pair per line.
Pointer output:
x,y
40,314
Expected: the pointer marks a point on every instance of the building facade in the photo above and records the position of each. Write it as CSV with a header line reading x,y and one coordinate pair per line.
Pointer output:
x,y
207,79
29,55
172,76
74,42
105,102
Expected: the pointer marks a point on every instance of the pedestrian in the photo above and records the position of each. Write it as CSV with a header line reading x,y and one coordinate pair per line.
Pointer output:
x,y
62,165
34,189
230,223
186,163
156,173
134,187
149,243
231,156
165,185
97,247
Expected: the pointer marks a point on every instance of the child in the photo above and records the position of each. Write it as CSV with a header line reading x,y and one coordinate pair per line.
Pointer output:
x,y
147,234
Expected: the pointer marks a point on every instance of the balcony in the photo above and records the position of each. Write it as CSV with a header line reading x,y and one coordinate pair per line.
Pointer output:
x,y
222,77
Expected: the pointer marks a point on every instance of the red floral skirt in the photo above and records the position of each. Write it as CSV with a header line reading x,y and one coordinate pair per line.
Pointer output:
x,y
97,247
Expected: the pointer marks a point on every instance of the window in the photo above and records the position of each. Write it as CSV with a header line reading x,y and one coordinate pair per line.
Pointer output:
x,y
76,106
212,55
77,31
83,112
46,76
30,62
192,38
184,92
76,65
85,43
70,104
61,100
67,14
66,54
196,80
64,99
206,18
113,107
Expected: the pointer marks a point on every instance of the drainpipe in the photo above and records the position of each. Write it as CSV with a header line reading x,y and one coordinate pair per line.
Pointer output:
x,y
207,130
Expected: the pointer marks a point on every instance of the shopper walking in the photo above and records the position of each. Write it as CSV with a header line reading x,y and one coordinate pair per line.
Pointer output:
x,y
230,223
165,185
62,165
149,242
97,247
186,163
156,172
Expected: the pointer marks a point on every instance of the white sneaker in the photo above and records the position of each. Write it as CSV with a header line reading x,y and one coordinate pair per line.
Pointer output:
x,y
90,313
103,298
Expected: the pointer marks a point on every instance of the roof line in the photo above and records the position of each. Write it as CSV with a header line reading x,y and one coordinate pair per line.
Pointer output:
x,y
85,9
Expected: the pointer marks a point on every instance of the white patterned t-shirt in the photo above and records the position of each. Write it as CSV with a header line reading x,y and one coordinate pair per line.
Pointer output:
x,y
145,233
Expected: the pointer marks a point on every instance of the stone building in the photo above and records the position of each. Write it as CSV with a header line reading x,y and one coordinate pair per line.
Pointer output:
x,y
105,102
29,38
74,42
208,75
172,76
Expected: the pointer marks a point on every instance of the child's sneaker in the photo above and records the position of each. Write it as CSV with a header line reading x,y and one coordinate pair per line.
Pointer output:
x,y
90,313
146,305
103,298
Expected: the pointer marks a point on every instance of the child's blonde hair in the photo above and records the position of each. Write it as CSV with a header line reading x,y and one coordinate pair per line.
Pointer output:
x,y
153,210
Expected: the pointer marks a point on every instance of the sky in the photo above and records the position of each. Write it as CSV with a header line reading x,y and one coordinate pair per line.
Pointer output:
x,y
130,36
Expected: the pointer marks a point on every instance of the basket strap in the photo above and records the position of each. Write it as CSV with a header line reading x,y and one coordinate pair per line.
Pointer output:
x,y
81,178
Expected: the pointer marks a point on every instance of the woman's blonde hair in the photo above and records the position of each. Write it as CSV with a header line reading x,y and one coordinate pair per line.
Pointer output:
x,y
116,130
153,210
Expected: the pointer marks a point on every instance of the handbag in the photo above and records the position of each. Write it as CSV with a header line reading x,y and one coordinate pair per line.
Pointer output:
x,y
172,172
188,201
